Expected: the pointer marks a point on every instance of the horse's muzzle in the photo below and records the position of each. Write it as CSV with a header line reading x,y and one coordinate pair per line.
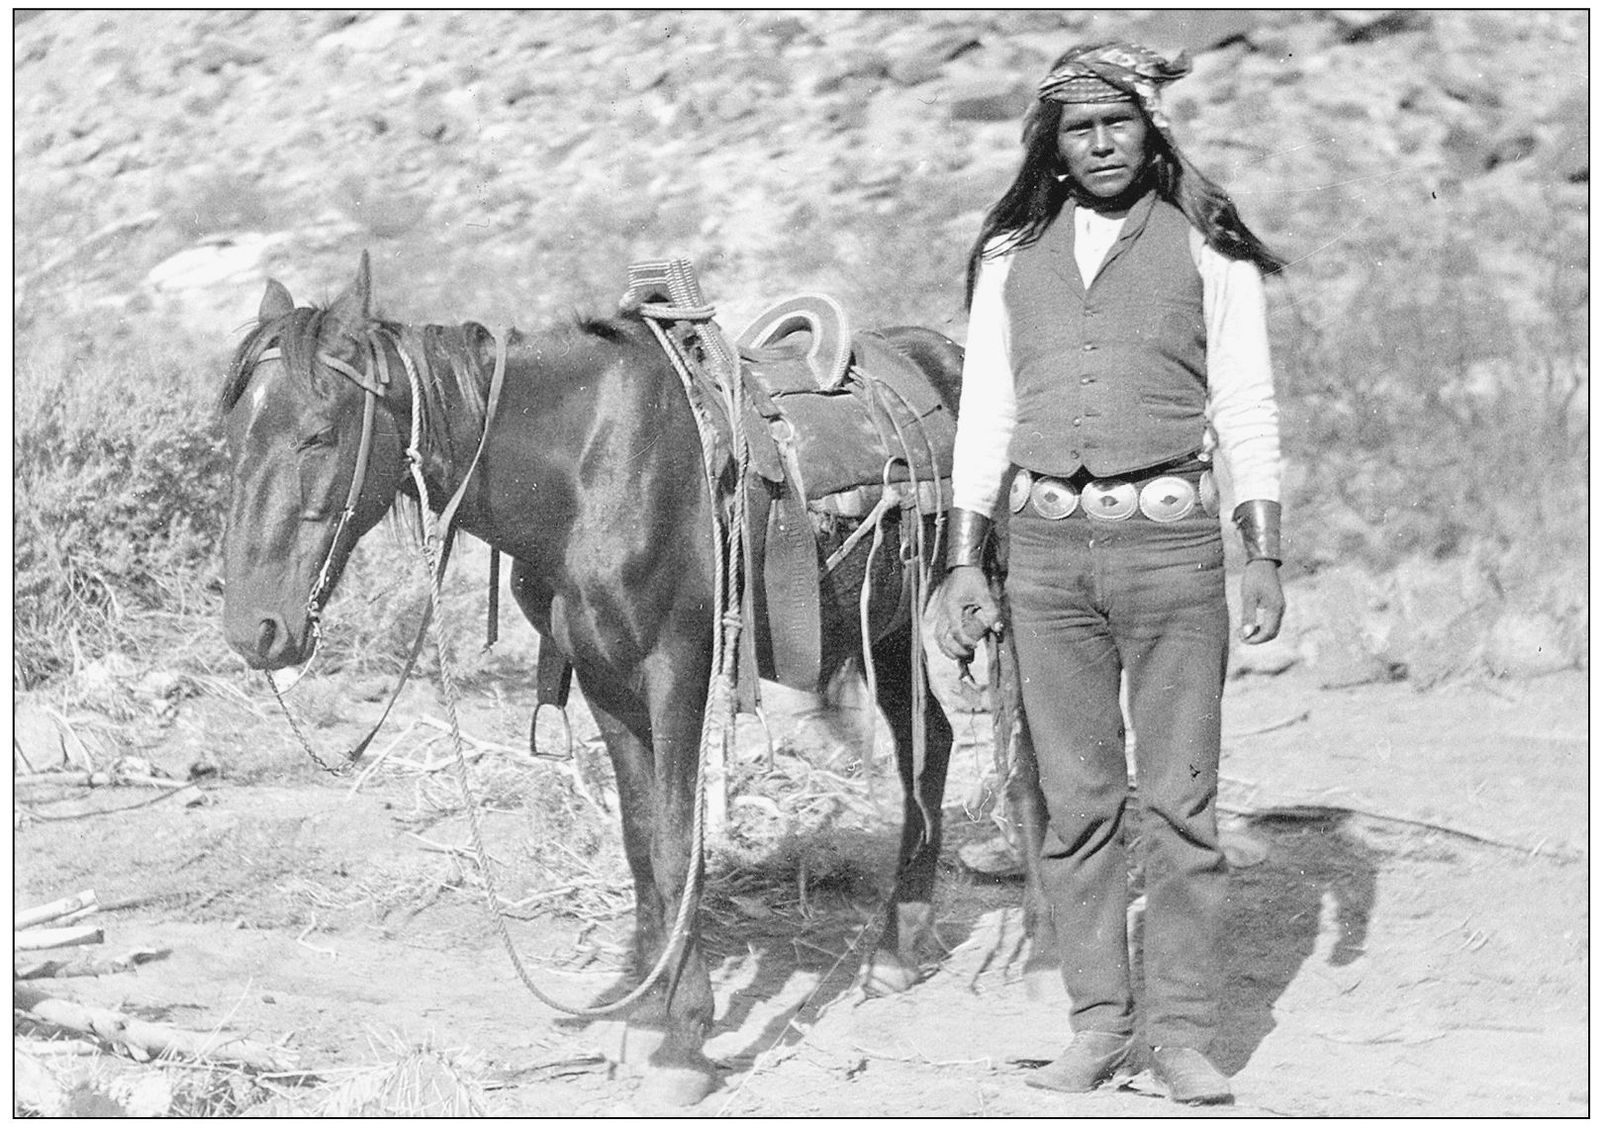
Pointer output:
x,y
266,643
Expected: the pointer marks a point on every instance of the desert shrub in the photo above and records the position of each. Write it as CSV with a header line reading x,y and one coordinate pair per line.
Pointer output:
x,y
1432,415
117,471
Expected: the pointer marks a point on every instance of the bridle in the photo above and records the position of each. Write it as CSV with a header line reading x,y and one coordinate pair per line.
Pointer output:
x,y
374,391
375,381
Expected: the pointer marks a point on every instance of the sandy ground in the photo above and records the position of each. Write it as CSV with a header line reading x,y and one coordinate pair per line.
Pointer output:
x,y
1415,943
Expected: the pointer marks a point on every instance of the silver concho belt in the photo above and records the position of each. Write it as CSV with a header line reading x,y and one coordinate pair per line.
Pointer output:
x,y
1165,498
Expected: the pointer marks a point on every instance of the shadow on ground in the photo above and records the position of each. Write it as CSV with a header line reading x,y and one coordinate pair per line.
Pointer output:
x,y
1316,887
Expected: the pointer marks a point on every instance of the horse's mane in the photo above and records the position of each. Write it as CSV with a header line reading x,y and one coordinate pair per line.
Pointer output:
x,y
433,350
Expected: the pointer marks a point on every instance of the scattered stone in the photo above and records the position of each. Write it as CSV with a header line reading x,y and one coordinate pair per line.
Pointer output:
x,y
986,100
995,858
852,65
222,261
1519,645
1369,25
1346,645
1276,656
216,54
926,61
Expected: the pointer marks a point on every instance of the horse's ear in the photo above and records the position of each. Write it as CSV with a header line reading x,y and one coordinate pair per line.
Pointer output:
x,y
277,303
353,305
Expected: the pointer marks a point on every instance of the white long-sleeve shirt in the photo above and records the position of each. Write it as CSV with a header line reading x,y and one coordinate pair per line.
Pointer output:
x,y
1240,386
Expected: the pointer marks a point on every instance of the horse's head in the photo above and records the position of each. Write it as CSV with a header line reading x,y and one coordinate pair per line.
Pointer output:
x,y
316,456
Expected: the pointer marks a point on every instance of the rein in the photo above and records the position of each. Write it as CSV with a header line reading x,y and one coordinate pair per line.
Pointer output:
x,y
323,582
375,388
434,561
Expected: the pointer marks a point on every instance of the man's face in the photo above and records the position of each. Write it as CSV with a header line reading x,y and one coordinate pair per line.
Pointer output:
x,y
1102,145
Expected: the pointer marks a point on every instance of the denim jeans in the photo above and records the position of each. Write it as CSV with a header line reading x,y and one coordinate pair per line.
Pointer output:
x,y
1091,600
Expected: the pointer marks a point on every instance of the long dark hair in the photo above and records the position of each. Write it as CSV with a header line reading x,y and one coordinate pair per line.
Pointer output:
x,y
1041,187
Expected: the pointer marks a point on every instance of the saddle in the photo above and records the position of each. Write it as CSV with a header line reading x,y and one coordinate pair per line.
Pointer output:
x,y
838,424
839,406
853,425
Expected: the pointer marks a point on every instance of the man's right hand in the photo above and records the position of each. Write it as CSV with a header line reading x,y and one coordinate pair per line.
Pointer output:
x,y
966,612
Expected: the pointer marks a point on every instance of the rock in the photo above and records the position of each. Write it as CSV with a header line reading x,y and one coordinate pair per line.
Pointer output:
x,y
926,61
216,54
1521,644
1276,656
785,30
988,100
861,64
1198,29
38,742
219,262
1346,645
155,685
1369,25
995,858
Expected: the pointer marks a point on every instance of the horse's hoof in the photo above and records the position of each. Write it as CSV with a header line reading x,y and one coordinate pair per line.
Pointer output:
x,y
887,974
680,1086
631,1046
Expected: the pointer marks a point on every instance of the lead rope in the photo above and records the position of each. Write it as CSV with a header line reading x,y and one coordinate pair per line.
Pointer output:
x,y
431,560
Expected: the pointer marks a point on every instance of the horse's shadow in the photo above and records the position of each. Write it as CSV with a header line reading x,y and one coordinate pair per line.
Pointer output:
x,y
1312,898
776,968
776,974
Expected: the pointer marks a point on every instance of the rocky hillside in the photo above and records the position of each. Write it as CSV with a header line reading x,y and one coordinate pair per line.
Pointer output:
x,y
504,164
1425,172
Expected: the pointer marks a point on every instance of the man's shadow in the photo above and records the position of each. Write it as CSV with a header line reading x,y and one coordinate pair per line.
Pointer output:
x,y
1277,917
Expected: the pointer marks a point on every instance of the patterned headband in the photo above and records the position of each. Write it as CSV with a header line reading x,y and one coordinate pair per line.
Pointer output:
x,y
1113,71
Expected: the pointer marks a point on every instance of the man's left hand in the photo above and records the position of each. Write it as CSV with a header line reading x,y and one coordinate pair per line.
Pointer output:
x,y
1262,602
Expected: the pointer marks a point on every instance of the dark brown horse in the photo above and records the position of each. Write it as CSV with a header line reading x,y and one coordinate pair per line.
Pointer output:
x,y
592,480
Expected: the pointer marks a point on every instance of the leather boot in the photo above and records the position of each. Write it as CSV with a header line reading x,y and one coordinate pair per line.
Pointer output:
x,y
1090,1059
1190,1077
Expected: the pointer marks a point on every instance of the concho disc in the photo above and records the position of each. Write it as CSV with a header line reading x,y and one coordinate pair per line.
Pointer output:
x,y
1054,499
1020,486
1209,493
1167,498
1111,501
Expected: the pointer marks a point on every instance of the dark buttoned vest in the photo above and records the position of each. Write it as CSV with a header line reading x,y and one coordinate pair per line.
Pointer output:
x,y
1112,377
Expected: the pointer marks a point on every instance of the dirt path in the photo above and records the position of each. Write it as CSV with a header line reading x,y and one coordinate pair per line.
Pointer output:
x,y
1379,965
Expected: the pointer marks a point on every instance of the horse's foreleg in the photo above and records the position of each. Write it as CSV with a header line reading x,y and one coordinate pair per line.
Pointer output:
x,y
679,1072
625,732
908,919
666,1029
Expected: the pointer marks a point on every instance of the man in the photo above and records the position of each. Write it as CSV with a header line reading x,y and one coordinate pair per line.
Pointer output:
x,y
1116,337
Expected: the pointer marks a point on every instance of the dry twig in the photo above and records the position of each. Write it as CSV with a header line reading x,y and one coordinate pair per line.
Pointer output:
x,y
144,1039
46,912
84,966
48,938
96,778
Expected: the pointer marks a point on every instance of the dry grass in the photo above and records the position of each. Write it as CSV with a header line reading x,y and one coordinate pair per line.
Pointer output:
x,y
413,1081
73,1079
